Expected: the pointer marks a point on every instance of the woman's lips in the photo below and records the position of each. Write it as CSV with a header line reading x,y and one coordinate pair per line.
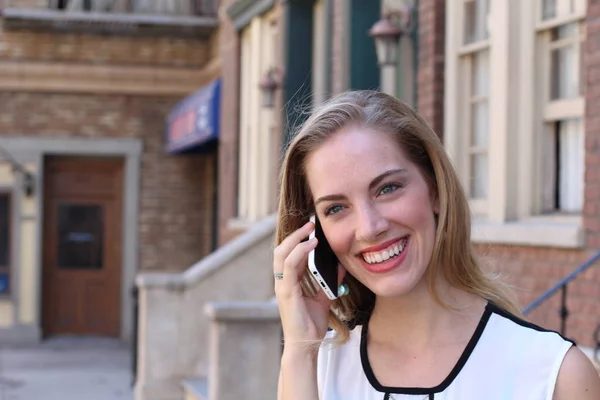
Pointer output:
x,y
387,265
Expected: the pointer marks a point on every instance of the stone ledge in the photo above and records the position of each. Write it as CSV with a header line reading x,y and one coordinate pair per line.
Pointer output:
x,y
20,335
242,311
542,231
57,77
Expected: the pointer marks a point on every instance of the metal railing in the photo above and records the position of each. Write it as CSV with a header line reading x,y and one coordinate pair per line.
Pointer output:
x,y
564,311
135,295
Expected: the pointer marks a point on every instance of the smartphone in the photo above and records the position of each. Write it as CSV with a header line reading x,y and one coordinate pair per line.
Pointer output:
x,y
323,263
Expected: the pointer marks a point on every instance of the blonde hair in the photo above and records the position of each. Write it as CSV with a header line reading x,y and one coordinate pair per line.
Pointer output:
x,y
452,248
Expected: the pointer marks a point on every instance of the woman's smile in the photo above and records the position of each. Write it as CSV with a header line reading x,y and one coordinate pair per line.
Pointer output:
x,y
391,256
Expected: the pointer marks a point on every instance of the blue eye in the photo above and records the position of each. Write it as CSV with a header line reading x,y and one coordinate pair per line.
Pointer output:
x,y
333,209
388,188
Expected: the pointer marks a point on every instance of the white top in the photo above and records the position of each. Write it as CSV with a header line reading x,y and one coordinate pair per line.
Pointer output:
x,y
506,359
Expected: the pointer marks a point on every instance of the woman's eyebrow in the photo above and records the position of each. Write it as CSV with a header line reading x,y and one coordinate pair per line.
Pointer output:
x,y
331,197
381,177
374,182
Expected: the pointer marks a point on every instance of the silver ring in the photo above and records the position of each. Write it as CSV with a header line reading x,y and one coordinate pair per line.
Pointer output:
x,y
278,275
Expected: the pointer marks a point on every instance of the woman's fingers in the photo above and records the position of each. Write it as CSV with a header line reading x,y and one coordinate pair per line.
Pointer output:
x,y
284,249
294,266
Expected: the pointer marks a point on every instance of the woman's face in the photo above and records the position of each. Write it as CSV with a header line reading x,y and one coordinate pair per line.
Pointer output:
x,y
375,208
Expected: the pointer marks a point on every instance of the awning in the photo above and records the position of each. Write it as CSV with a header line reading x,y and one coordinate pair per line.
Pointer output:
x,y
194,121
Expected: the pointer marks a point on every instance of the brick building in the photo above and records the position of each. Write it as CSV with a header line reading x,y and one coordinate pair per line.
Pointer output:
x,y
519,124
93,183
527,125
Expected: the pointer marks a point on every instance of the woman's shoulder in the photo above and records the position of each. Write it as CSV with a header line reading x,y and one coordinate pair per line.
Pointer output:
x,y
513,330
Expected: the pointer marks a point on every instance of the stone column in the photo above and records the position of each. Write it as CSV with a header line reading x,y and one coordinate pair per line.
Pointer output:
x,y
245,350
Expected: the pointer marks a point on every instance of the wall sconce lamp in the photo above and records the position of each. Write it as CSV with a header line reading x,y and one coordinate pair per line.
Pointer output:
x,y
269,85
387,32
28,184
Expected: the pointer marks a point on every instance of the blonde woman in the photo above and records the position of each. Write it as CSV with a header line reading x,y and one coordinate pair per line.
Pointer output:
x,y
421,320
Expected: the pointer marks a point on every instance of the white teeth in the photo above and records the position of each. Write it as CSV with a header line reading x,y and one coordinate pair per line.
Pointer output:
x,y
385,255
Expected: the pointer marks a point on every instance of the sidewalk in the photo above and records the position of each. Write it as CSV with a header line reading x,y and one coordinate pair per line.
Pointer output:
x,y
66,369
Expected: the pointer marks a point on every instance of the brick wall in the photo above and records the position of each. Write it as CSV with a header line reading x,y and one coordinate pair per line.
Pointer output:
x,y
431,62
533,270
103,49
176,191
591,52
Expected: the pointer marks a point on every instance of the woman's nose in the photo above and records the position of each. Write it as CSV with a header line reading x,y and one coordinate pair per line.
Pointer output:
x,y
370,225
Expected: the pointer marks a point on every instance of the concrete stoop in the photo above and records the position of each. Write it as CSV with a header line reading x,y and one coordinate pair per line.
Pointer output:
x,y
195,388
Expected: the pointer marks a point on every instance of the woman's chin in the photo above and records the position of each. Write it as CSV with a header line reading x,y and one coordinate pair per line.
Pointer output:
x,y
391,286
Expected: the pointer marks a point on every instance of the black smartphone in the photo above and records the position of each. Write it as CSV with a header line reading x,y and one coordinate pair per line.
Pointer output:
x,y
323,263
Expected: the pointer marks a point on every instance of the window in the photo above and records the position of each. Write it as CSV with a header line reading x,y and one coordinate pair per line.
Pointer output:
x,y
257,152
474,52
514,110
5,243
80,236
560,37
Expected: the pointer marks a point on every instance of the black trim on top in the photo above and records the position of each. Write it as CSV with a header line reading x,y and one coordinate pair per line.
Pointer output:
x,y
526,324
417,390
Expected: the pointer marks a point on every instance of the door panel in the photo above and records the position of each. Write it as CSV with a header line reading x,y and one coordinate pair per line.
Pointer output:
x,y
82,246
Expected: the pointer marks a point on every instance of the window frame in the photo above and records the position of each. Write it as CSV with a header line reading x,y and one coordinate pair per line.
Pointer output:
x,y
512,213
255,193
551,111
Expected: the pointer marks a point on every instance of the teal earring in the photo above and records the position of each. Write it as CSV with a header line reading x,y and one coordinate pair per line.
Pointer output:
x,y
343,290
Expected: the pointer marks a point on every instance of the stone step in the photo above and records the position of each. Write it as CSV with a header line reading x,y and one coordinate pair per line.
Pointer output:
x,y
195,388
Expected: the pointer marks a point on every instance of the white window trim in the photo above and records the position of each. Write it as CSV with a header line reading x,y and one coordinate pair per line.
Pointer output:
x,y
509,216
256,174
542,230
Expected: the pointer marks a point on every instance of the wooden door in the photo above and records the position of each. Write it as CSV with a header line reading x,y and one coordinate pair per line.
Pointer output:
x,y
82,246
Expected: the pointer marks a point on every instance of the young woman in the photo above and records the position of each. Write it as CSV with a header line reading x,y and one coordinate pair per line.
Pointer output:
x,y
421,320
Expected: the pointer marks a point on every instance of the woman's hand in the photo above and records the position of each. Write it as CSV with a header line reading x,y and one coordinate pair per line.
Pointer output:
x,y
304,319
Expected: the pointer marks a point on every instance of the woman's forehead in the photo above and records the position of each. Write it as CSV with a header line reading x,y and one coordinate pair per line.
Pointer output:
x,y
353,157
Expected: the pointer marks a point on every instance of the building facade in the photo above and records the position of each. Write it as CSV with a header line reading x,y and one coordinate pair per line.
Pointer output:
x,y
519,126
93,185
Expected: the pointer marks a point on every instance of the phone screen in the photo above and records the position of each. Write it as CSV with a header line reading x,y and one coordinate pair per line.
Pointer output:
x,y
326,262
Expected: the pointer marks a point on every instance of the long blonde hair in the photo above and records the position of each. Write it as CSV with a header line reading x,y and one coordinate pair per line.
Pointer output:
x,y
452,248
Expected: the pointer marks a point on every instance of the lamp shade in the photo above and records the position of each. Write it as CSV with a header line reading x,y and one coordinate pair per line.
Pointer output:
x,y
386,35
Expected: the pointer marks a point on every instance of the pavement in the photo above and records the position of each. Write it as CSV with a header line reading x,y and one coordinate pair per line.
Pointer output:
x,y
66,368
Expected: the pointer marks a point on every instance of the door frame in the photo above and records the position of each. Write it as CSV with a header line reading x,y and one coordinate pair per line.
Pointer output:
x,y
33,150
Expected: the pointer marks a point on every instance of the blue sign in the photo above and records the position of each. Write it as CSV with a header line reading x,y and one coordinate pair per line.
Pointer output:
x,y
4,283
195,120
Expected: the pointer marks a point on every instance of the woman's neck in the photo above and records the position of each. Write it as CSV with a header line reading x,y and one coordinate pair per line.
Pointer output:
x,y
416,321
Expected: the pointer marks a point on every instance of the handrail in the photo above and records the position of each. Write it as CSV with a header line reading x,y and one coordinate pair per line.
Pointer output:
x,y
563,282
564,311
